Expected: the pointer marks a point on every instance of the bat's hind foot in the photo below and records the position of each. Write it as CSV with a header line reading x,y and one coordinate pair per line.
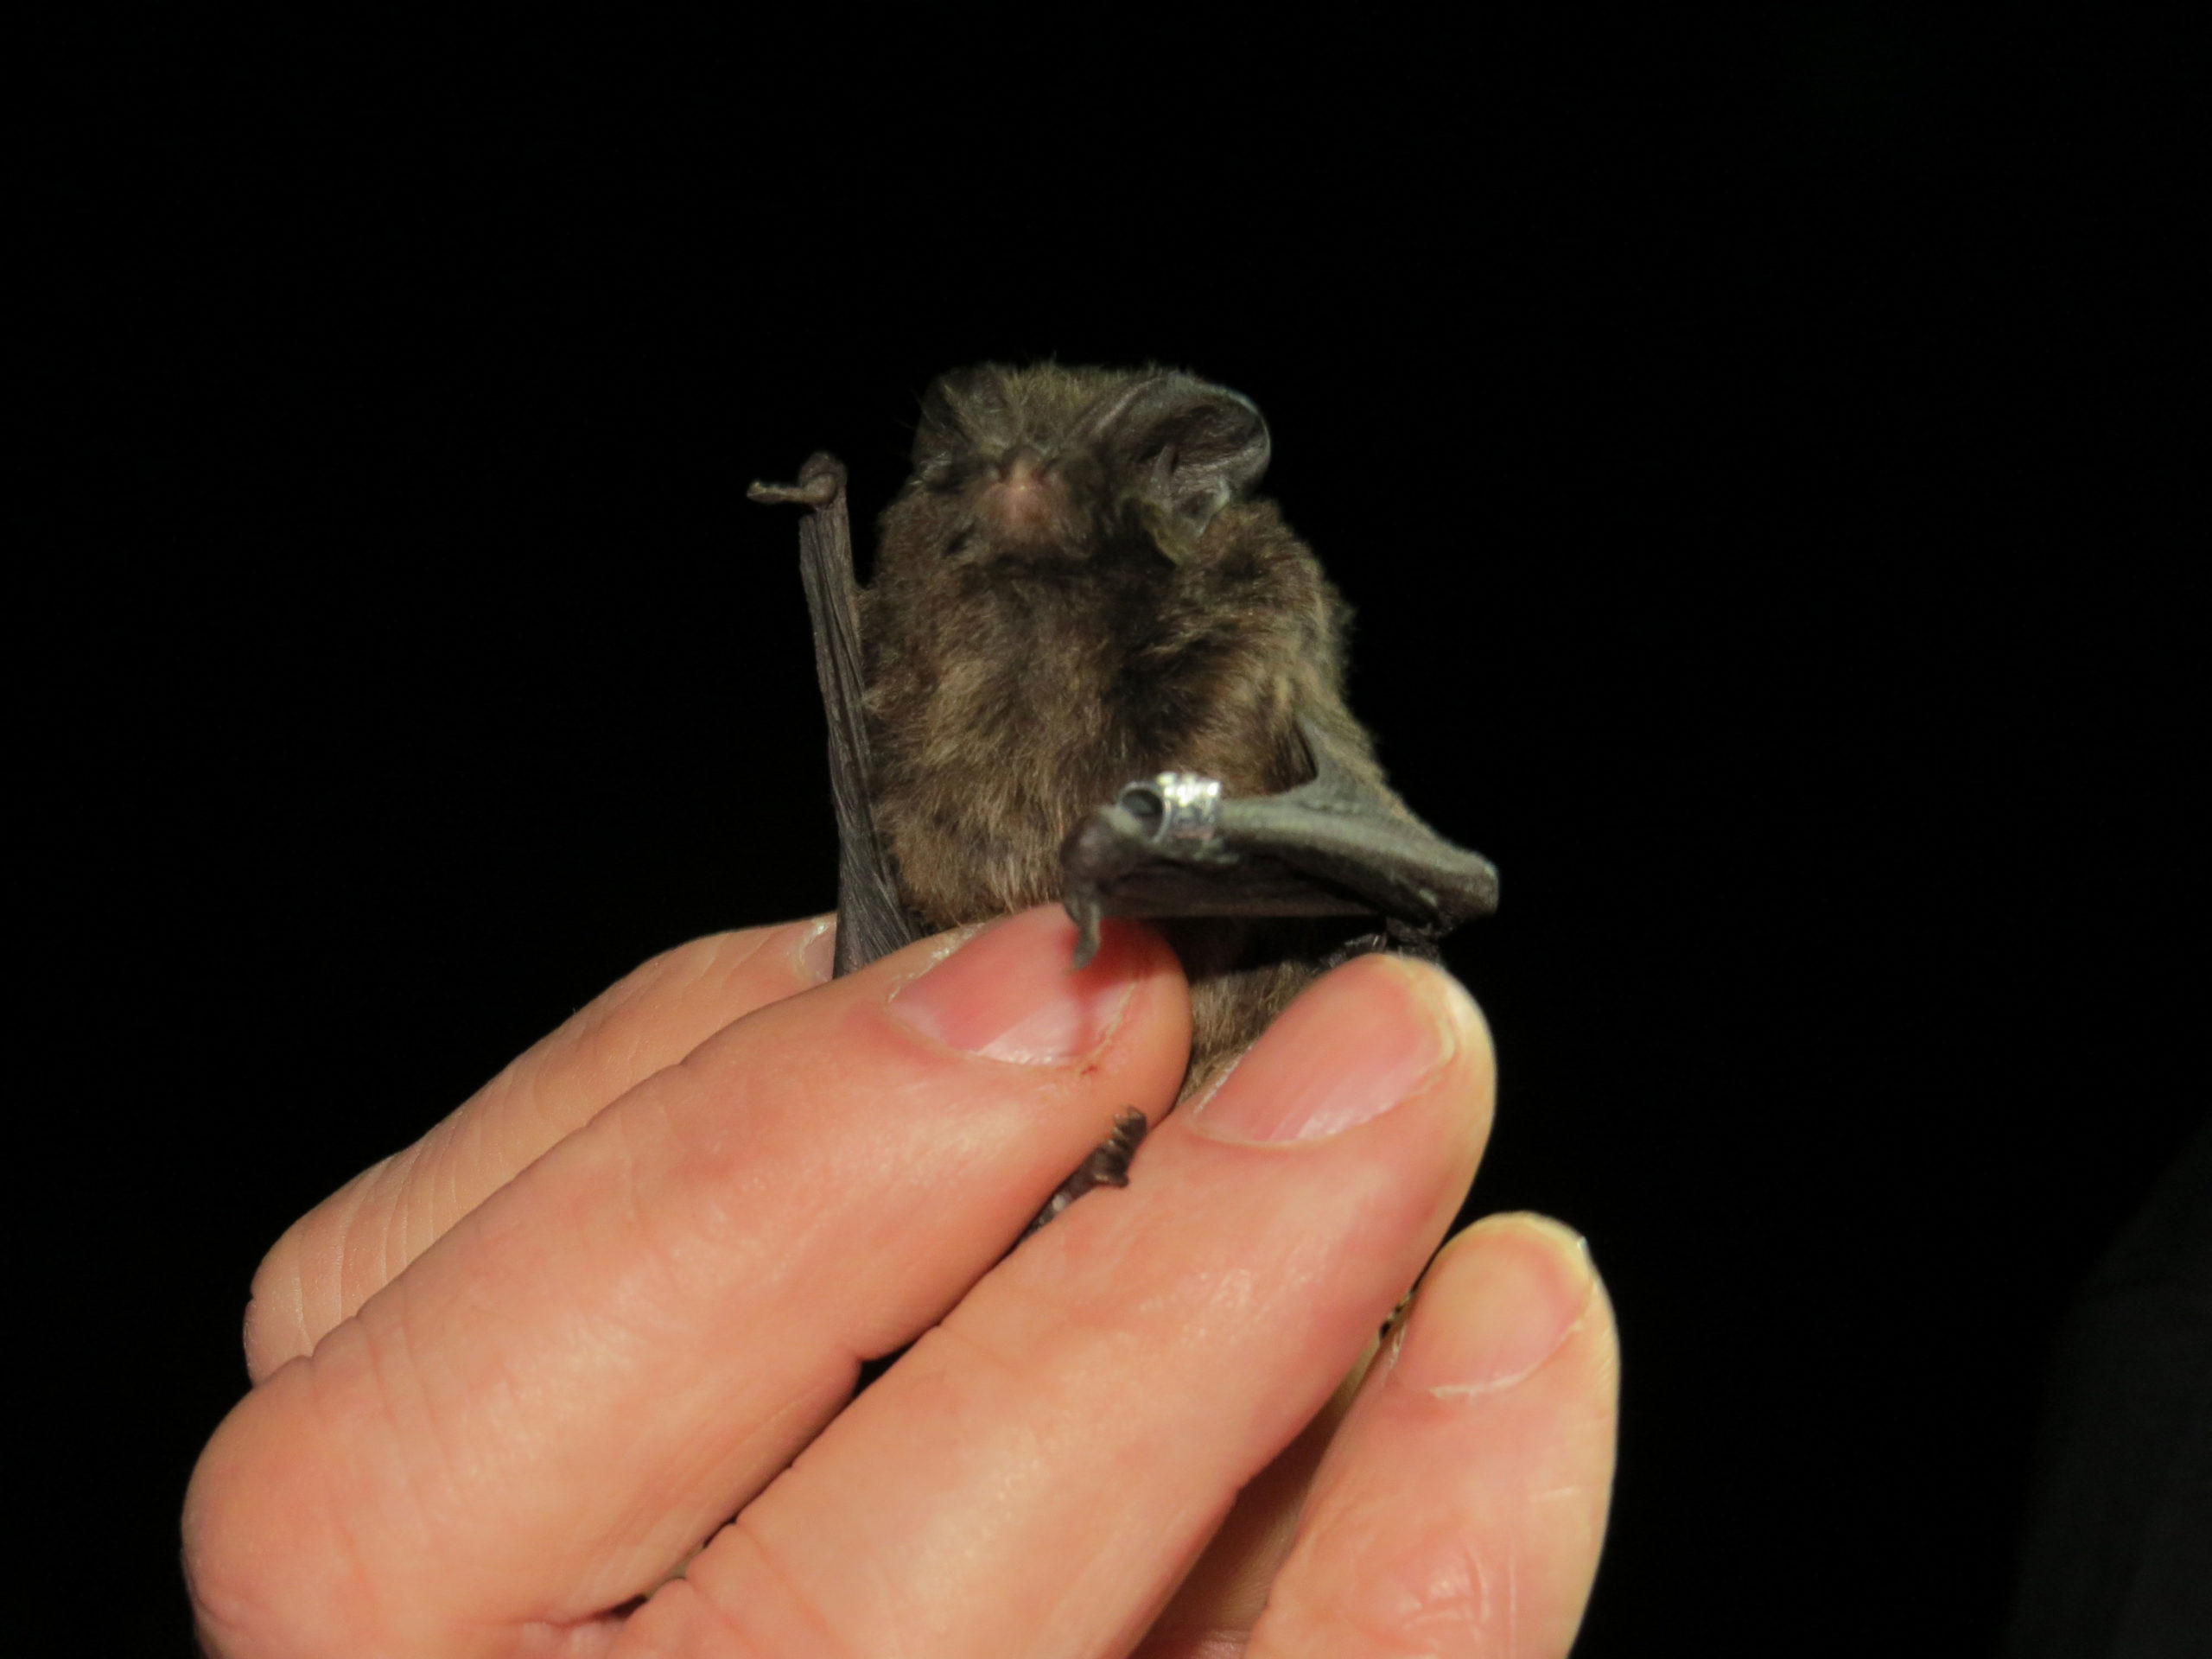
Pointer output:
x,y
1108,1166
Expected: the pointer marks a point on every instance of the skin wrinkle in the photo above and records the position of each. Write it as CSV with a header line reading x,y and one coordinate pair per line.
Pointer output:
x,y
512,1119
486,1157
1231,1296
354,1553
494,1393
954,1332
341,1247
1114,1327
511,1402
405,1186
607,1043
380,1222
1443,1583
667,978
281,1284
628,1138
353,1524
1048,1311
1189,1310
1454,1597
446,1462
1306,1266
819,1406
653,1328
362,1241
422,1219
967,1401
1374,1199
1509,1596
810,1407
1198,1524
1261,1528
1456,1593
669,1251
714,1175
956,1393
796,1599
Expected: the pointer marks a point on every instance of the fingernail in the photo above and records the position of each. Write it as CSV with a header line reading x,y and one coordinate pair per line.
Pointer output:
x,y
817,950
1010,993
1347,1051
1496,1306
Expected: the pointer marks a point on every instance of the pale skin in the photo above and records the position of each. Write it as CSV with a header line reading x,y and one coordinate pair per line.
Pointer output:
x,y
572,1376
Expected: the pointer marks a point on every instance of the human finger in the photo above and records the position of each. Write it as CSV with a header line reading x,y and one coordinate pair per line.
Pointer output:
x,y
1462,1503
355,1242
1039,1472
550,1408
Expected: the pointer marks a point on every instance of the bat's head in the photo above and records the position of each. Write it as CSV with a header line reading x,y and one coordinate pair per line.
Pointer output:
x,y
1048,462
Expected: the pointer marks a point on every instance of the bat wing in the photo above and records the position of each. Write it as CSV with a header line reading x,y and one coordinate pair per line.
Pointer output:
x,y
1335,846
871,921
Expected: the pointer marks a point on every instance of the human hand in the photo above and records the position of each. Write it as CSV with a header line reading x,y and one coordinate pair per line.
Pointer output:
x,y
509,1381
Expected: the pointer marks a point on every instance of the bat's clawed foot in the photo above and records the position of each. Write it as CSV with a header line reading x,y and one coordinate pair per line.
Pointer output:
x,y
1108,1166
1109,1163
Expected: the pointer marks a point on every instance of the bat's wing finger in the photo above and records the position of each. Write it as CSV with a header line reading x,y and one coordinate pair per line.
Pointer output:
x,y
871,922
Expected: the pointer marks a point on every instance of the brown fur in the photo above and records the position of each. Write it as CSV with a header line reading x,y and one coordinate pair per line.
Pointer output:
x,y
1056,611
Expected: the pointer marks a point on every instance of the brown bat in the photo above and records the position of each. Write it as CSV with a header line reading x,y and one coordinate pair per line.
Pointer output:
x,y
1093,666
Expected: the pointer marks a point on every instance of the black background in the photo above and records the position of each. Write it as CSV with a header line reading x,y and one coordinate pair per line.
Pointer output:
x,y
1749,458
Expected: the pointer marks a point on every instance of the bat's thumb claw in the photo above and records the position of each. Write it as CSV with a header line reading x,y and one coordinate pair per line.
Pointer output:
x,y
804,495
820,482
1085,912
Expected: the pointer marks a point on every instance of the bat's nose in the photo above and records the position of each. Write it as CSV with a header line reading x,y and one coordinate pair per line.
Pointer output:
x,y
1023,497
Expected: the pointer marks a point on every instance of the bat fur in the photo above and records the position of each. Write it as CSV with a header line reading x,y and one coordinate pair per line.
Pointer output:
x,y
1076,588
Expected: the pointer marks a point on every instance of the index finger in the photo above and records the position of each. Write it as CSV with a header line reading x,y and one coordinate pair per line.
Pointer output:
x,y
356,1241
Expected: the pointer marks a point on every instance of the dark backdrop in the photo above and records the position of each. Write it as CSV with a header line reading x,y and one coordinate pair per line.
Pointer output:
x,y
1745,456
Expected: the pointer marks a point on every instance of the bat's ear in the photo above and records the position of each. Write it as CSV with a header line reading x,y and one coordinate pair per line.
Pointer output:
x,y
1190,447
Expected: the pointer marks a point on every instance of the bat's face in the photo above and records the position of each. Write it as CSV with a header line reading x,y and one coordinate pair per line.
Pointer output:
x,y
1048,462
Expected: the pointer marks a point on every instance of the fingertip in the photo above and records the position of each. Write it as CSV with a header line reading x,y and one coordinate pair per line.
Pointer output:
x,y
1469,1488
1499,1301
1374,1032
1474,1055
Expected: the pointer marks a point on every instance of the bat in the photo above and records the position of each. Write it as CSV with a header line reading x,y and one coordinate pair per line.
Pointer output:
x,y
1093,665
